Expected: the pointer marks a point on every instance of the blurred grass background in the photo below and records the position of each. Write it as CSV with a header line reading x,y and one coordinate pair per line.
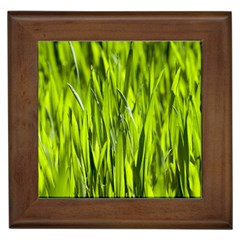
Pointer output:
x,y
119,119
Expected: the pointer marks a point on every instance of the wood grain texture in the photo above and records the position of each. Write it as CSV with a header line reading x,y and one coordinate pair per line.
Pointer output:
x,y
213,210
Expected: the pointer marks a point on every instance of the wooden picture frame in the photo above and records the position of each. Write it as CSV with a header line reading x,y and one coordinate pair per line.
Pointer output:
x,y
213,210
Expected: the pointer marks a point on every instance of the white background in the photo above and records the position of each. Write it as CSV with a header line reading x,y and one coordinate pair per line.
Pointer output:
x,y
118,5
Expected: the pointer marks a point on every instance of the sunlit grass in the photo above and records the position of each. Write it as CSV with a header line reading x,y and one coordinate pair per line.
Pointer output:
x,y
119,119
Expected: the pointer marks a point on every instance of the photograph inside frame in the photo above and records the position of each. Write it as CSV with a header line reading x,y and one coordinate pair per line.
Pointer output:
x,y
119,119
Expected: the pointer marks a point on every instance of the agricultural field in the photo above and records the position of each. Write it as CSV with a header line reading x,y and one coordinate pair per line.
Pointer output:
x,y
119,119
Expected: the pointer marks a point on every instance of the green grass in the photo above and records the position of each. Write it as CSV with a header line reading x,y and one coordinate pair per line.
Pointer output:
x,y
119,119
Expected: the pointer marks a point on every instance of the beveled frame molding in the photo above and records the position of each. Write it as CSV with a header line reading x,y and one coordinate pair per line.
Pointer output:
x,y
213,210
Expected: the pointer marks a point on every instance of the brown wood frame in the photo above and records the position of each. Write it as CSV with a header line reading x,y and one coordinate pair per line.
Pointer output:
x,y
213,210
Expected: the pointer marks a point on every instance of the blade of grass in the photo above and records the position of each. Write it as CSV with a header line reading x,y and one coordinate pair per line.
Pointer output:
x,y
76,96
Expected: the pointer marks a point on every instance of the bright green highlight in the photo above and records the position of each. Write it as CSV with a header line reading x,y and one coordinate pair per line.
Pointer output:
x,y
119,119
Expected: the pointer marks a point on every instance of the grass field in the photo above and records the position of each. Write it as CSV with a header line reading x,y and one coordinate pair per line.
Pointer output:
x,y
119,119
